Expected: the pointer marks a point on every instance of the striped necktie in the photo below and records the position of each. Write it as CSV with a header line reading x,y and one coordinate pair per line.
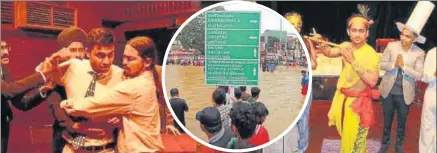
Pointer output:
x,y
79,140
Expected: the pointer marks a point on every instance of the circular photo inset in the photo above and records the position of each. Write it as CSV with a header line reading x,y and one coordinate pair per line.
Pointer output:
x,y
236,76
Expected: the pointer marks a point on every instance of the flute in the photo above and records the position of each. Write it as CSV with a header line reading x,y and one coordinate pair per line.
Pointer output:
x,y
322,41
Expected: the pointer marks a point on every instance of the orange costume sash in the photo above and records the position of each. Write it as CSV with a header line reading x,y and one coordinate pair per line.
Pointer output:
x,y
363,105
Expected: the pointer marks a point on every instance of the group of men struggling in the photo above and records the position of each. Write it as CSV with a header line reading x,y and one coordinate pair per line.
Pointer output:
x,y
104,108
403,62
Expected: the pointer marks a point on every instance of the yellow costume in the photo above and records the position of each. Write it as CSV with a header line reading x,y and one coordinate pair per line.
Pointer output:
x,y
350,131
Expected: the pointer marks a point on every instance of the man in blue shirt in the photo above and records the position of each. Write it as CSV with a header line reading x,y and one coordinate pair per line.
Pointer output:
x,y
304,82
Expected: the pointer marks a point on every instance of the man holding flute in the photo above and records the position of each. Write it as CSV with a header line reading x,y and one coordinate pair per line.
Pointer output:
x,y
351,109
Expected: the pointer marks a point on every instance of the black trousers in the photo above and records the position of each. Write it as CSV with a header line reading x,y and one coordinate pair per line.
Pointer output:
x,y
390,105
58,141
5,135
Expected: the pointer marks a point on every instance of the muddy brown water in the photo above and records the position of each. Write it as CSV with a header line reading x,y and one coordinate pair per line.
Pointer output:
x,y
280,92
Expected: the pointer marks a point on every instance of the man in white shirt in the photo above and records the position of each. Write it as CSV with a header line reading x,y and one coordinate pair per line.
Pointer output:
x,y
79,77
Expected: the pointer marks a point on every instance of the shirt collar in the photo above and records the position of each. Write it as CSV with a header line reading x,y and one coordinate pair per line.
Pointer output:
x,y
409,50
217,137
100,76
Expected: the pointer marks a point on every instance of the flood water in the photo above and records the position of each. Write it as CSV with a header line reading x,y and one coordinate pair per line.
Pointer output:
x,y
280,92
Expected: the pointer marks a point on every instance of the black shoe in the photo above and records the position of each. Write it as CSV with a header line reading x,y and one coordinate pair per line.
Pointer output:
x,y
399,149
384,149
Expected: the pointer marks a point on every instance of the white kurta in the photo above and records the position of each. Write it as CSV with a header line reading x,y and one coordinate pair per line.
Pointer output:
x,y
427,139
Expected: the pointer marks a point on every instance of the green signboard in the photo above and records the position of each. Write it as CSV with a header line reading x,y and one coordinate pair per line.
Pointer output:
x,y
232,48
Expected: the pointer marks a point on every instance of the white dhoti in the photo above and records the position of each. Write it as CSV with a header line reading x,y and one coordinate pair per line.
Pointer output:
x,y
427,139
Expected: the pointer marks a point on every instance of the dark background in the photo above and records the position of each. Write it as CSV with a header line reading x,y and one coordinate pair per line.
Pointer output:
x,y
329,18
